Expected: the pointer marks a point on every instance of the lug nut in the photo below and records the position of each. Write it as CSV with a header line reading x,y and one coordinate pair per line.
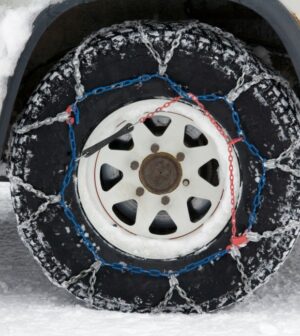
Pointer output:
x,y
180,156
140,191
185,182
165,200
134,165
154,148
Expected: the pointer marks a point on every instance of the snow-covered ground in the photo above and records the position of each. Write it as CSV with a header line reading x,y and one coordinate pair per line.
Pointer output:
x,y
30,305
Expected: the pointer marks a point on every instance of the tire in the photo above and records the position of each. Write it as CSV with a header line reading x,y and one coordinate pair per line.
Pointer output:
x,y
207,60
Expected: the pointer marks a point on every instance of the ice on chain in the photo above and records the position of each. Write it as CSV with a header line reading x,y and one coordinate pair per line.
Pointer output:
x,y
164,61
174,285
232,96
289,156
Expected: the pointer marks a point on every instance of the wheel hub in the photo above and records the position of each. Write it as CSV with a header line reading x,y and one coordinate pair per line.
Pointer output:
x,y
160,173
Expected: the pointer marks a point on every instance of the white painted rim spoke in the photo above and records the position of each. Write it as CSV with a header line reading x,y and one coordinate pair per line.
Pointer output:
x,y
143,138
203,189
119,159
179,213
172,141
197,157
148,207
119,193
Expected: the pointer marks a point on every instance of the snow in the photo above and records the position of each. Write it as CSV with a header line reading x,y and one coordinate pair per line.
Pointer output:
x,y
29,303
293,6
16,21
263,54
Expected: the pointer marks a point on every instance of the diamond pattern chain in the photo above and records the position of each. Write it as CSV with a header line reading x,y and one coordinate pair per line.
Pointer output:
x,y
60,117
48,199
92,271
286,155
164,61
255,237
230,98
174,285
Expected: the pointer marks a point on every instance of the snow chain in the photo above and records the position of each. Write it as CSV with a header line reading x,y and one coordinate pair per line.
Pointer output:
x,y
237,242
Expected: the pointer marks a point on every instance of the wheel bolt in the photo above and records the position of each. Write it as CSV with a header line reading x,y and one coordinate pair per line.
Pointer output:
x,y
154,148
134,165
180,156
165,200
185,182
140,191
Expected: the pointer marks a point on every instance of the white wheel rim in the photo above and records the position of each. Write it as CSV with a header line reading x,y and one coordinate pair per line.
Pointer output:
x,y
145,237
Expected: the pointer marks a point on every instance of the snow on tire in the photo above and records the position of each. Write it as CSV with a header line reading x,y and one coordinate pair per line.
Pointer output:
x,y
136,217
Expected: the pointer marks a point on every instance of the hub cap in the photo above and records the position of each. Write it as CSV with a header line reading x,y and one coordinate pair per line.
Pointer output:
x,y
163,190
160,173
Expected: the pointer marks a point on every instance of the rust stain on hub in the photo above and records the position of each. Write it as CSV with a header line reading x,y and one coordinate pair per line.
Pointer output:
x,y
160,173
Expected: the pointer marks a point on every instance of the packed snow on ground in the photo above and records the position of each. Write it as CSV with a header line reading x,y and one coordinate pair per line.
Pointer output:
x,y
16,22
30,305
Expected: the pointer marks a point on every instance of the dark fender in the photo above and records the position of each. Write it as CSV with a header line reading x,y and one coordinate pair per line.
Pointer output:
x,y
283,22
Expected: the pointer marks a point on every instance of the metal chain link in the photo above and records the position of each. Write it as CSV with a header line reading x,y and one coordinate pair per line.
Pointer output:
x,y
168,296
256,237
287,154
174,285
240,82
75,279
236,255
242,87
93,270
60,117
287,169
50,199
15,180
92,282
191,303
79,87
164,61
34,216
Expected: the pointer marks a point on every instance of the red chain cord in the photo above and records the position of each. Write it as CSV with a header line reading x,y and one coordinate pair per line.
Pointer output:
x,y
71,119
159,109
238,241
235,240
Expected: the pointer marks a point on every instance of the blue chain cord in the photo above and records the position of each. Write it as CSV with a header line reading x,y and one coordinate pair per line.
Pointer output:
x,y
257,200
256,203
